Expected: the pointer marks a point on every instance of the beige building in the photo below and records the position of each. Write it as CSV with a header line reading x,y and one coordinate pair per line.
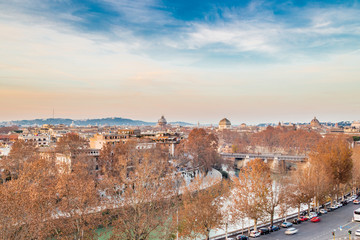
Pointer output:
x,y
356,124
99,140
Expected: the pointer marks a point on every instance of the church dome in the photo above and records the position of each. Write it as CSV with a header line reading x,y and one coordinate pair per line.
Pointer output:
x,y
162,121
315,122
224,123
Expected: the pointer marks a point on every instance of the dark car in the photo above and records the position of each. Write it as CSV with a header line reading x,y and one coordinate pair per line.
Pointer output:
x,y
273,228
264,231
241,237
296,221
286,224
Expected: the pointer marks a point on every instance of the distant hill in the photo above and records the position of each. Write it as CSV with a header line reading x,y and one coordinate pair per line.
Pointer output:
x,y
84,122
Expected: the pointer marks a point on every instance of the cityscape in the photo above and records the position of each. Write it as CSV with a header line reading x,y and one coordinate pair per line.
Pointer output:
x,y
179,120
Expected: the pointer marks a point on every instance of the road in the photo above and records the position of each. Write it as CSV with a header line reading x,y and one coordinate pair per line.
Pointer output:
x,y
323,230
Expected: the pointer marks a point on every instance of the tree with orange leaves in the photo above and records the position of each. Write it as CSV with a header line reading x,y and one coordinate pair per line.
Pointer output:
x,y
333,154
21,152
201,149
252,189
200,211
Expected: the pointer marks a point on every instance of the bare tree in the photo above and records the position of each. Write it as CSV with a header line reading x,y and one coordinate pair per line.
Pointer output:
x,y
70,144
142,196
77,204
28,202
276,193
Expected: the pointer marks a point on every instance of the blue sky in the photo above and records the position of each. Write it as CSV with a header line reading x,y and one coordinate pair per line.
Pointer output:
x,y
251,61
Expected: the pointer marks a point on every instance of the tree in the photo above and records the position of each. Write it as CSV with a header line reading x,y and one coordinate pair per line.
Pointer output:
x,y
110,155
77,204
230,212
20,153
196,220
141,197
201,149
276,195
70,144
300,189
334,155
28,202
356,169
252,189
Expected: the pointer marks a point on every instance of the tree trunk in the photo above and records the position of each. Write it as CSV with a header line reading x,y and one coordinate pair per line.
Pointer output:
x,y
309,208
299,210
226,230
317,206
207,234
272,218
255,224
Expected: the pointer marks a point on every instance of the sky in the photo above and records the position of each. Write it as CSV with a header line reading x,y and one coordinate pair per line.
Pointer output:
x,y
195,61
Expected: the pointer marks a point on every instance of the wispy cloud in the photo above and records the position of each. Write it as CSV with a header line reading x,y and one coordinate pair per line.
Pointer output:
x,y
139,54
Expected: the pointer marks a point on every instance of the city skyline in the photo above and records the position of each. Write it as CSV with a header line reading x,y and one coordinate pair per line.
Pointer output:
x,y
252,62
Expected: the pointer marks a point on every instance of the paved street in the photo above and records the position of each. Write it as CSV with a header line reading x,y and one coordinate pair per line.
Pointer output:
x,y
322,230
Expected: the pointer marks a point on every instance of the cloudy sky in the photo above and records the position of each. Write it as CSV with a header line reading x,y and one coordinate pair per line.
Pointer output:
x,y
249,61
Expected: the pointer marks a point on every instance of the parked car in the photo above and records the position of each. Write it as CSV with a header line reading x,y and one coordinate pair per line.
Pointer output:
x,y
291,231
241,237
286,224
315,219
356,201
303,218
264,231
254,234
273,228
333,207
313,214
339,205
357,232
296,221
323,211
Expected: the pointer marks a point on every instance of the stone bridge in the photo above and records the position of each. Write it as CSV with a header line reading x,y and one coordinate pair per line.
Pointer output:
x,y
277,162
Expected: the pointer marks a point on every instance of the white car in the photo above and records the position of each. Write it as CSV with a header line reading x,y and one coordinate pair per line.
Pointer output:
x,y
254,234
333,207
323,211
339,204
357,232
291,231
312,214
